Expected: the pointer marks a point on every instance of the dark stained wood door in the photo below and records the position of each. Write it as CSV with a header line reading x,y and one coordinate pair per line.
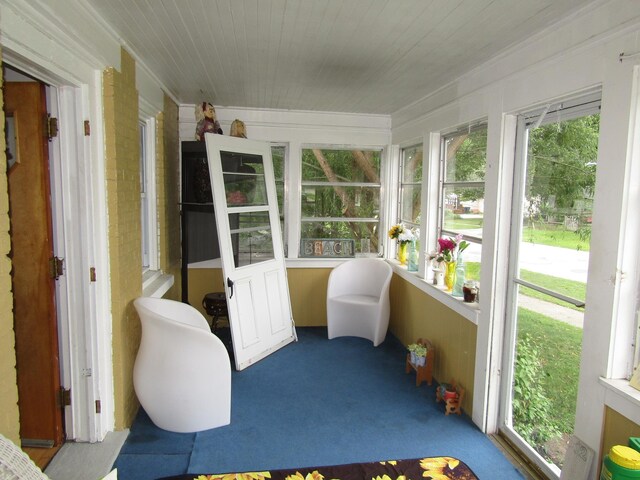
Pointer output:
x,y
37,358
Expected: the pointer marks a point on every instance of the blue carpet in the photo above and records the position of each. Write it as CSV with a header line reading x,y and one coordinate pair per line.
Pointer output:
x,y
318,402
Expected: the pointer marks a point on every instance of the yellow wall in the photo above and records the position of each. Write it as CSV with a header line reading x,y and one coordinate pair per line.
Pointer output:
x,y
123,197
415,314
617,430
9,414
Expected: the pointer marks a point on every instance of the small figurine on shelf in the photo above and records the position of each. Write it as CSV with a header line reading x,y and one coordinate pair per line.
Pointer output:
x,y
238,129
207,121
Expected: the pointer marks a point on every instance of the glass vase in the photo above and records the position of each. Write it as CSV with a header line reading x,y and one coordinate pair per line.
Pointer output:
x,y
461,272
402,253
412,257
449,275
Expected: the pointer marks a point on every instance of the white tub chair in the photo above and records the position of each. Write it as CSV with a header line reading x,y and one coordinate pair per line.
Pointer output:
x,y
358,299
182,373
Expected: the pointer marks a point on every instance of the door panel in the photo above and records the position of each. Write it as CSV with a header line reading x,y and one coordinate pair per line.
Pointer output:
x,y
245,201
33,287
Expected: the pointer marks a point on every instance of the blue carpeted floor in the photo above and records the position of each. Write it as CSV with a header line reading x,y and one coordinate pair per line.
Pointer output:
x,y
317,402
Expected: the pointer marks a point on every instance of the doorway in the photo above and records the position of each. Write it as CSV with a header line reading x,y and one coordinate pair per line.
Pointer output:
x,y
554,183
34,269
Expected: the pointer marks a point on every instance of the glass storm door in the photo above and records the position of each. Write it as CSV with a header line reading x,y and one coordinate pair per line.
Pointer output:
x,y
246,208
554,180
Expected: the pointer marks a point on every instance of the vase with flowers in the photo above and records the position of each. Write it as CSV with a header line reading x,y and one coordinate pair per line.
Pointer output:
x,y
404,236
449,250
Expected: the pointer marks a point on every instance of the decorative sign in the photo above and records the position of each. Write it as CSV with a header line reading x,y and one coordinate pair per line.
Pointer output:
x,y
327,247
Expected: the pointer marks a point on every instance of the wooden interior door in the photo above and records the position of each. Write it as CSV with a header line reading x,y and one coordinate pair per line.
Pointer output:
x,y
36,331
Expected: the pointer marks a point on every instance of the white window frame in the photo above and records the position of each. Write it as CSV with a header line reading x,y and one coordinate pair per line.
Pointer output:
x,y
148,195
285,201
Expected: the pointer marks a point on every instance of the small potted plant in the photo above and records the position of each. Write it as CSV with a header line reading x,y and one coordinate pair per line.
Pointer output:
x,y
418,353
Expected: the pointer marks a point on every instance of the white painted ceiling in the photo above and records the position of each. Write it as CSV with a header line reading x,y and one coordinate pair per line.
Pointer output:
x,y
360,56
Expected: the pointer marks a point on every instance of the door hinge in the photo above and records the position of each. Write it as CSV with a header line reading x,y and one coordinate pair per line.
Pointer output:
x,y
56,267
64,397
98,406
92,274
52,127
87,128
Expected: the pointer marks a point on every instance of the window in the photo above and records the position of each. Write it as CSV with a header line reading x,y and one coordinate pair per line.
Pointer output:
x,y
463,165
148,209
279,160
410,186
340,196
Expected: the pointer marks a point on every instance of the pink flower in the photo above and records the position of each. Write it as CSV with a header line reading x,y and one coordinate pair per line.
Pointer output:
x,y
446,244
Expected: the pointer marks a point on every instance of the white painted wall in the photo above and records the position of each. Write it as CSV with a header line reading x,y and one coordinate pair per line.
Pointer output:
x,y
580,54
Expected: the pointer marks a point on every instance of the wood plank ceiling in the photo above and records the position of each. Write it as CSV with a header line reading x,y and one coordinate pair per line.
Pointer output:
x,y
360,56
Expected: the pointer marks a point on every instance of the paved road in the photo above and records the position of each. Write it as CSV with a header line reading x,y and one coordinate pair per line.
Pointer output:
x,y
560,262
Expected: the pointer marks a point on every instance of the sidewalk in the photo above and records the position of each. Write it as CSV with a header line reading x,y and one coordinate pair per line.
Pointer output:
x,y
564,314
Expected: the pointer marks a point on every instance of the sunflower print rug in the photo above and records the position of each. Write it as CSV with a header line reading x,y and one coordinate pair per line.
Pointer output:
x,y
435,468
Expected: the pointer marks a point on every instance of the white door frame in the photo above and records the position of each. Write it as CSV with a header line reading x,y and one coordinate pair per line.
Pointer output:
x,y
77,206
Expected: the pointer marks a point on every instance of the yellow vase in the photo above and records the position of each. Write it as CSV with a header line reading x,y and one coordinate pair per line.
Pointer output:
x,y
450,275
402,253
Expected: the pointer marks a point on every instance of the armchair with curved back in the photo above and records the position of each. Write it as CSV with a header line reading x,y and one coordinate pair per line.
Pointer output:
x,y
182,372
358,299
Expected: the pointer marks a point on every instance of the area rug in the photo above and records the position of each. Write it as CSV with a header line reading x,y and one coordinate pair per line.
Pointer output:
x,y
435,468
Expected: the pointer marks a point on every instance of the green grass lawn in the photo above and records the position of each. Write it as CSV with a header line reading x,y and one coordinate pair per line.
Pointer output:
x,y
555,236
559,346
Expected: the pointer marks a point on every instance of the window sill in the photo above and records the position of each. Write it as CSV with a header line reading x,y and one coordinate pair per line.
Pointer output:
x,y
155,283
622,397
470,311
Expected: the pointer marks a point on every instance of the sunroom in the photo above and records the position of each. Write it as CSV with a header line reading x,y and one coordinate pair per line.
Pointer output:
x,y
520,142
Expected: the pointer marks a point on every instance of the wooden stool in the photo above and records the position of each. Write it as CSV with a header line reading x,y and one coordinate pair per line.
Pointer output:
x,y
215,304
424,373
451,405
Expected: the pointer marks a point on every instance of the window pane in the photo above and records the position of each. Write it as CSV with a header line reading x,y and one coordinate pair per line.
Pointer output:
x,y
334,201
463,210
250,237
325,165
410,185
277,157
412,164
244,181
410,206
352,230
466,155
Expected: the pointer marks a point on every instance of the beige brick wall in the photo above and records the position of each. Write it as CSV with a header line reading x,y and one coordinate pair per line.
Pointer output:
x,y
123,197
168,188
9,414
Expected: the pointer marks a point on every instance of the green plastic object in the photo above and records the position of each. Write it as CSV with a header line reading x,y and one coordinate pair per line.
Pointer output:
x,y
622,463
634,442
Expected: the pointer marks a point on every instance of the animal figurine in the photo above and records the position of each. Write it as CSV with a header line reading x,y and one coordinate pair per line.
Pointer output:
x,y
207,121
